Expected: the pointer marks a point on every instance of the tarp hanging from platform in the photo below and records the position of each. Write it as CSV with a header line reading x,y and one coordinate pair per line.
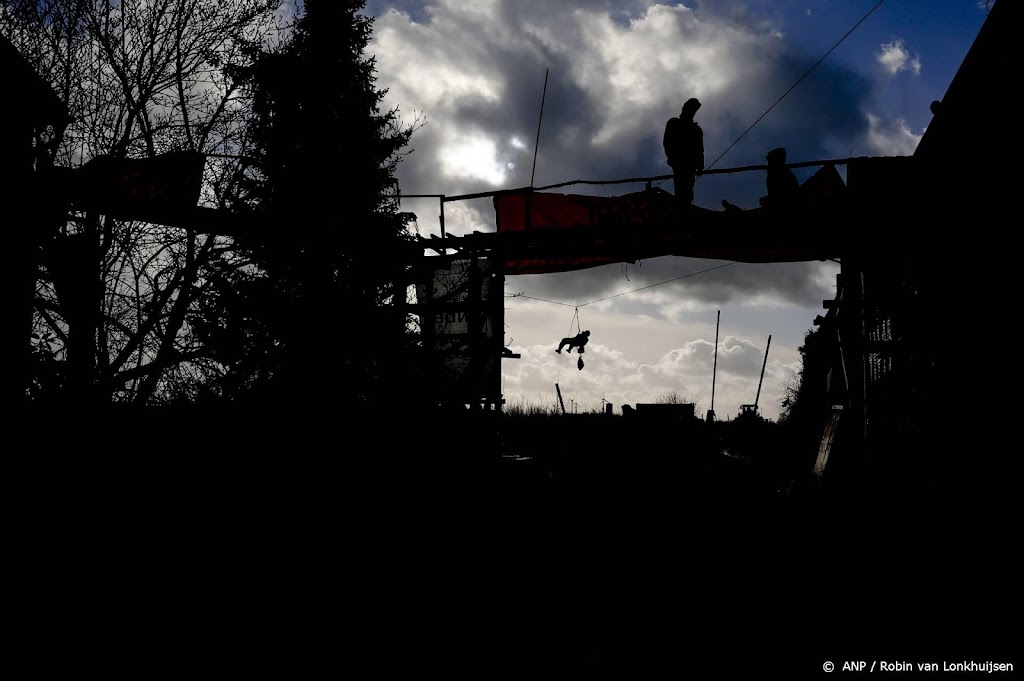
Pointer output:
x,y
162,189
587,216
571,227
549,232
540,210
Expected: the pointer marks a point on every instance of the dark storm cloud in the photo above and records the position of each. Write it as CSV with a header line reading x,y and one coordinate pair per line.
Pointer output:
x,y
811,120
416,9
799,283
568,114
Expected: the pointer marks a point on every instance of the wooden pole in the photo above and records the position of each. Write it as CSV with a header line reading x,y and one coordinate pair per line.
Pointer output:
x,y
560,402
536,144
714,370
762,373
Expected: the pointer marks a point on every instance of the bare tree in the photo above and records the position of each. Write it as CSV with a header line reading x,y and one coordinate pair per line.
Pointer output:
x,y
140,78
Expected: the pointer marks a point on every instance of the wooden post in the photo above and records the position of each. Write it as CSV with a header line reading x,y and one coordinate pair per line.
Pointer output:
x,y
758,397
827,439
536,145
22,239
714,371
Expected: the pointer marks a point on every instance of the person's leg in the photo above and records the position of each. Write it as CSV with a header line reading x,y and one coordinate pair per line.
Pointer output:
x,y
682,184
563,343
685,192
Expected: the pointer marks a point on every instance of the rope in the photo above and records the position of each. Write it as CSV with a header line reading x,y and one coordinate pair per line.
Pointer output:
x,y
799,80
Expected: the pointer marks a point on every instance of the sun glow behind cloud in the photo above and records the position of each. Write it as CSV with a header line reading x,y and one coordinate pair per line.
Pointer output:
x,y
474,157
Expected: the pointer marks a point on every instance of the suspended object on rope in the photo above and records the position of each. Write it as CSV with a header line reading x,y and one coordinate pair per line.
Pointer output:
x,y
577,341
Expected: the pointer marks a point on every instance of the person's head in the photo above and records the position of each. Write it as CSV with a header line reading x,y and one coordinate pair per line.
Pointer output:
x,y
776,156
690,108
586,333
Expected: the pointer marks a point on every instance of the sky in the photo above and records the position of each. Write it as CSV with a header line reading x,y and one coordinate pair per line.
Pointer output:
x,y
768,73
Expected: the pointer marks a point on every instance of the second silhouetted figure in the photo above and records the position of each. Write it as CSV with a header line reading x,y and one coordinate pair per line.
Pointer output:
x,y
684,150
783,187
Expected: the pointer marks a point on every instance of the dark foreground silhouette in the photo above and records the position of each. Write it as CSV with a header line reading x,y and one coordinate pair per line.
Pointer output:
x,y
551,534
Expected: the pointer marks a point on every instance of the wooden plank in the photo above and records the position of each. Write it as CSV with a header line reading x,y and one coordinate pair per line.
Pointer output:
x,y
827,439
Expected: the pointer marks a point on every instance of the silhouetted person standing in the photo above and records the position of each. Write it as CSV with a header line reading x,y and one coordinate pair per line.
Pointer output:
x,y
684,150
783,187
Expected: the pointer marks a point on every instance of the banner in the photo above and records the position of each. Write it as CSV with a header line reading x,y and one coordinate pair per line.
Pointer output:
x,y
546,232
529,210
524,215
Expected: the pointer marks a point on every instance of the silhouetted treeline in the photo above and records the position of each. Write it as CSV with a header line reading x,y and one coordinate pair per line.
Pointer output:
x,y
806,405
316,325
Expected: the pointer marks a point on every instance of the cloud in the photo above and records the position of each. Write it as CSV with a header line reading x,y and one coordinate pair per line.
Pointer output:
x,y
895,58
890,138
672,286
